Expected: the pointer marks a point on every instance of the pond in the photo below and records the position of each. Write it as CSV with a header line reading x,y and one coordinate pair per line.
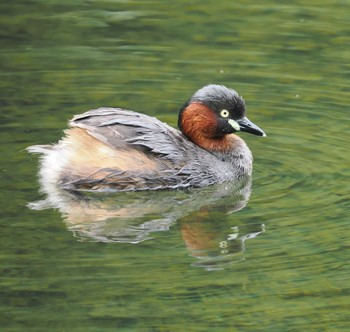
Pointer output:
x,y
271,254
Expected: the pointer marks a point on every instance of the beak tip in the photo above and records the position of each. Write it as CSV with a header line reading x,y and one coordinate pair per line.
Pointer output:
x,y
249,127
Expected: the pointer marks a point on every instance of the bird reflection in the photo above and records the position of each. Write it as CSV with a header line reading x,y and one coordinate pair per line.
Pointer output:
x,y
201,214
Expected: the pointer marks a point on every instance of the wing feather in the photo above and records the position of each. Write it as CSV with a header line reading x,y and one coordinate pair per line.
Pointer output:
x,y
121,128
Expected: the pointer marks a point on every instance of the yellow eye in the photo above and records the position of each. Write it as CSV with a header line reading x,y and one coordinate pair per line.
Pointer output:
x,y
225,113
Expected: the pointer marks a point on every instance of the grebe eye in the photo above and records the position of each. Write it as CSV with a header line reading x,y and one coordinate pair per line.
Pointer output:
x,y
225,113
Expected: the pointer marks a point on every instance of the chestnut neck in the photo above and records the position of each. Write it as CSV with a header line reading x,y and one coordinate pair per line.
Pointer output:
x,y
199,124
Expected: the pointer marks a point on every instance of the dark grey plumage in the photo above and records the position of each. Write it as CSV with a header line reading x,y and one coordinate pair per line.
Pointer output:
x,y
219,97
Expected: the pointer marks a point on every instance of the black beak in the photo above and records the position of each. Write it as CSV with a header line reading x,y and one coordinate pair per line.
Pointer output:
x,y
249,127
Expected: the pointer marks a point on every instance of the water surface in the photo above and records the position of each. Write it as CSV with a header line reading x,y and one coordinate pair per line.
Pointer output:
x,y
271,255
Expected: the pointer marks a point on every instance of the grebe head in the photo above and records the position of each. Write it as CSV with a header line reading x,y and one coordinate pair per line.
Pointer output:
x,y
213,112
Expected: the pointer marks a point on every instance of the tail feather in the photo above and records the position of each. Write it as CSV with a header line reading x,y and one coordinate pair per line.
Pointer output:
x,y
44,149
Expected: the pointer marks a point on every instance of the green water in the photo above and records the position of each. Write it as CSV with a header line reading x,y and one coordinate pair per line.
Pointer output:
x,y
215,259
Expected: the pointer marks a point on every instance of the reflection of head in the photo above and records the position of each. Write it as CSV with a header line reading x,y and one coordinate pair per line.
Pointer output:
x,y
215,244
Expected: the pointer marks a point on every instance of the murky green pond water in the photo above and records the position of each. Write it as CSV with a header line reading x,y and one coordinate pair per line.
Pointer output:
x,y
215,259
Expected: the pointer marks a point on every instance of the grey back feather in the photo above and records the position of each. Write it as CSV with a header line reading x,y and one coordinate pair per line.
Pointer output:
x,y
121,128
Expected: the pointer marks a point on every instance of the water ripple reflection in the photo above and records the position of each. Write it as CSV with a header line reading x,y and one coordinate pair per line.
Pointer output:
x,y
134,217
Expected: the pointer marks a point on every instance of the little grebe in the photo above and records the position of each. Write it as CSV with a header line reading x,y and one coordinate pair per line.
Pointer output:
x,y
117,149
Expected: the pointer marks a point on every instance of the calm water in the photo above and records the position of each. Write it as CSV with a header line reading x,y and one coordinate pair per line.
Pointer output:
x,y
271,255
